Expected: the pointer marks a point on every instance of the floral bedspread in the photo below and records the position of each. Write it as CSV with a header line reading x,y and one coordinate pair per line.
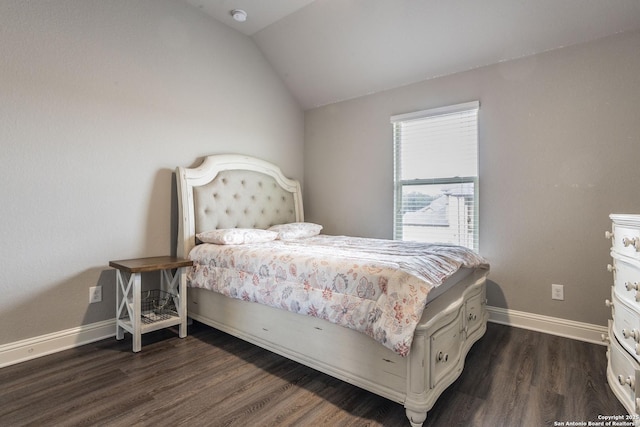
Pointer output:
x,y
378,287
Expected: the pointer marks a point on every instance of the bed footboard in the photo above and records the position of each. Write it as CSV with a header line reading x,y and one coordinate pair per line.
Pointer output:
x,y
450,327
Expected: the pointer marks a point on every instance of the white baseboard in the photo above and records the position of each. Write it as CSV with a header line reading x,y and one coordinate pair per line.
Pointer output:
x,y
549,325
31,348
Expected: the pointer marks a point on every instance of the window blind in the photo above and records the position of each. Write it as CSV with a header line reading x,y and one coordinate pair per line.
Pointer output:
x,y
436,175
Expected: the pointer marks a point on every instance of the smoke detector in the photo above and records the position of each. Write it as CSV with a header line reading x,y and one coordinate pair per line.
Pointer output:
x,y
239,15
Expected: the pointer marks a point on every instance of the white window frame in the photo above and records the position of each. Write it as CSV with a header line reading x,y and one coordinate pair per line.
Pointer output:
x,y
400,184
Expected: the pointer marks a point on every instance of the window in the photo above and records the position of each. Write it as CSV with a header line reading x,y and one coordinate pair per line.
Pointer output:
x,y
436,175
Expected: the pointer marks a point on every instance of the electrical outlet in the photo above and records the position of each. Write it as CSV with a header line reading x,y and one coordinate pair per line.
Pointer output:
x,y
557,292
95,294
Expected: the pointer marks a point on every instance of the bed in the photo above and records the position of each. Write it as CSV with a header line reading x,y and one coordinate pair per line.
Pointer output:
x,y
228,193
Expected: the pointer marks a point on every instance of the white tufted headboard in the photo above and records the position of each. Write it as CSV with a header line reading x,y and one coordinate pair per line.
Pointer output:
x,y
233,191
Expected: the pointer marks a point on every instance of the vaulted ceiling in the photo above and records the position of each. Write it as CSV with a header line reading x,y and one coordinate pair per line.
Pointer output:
x,y
332,50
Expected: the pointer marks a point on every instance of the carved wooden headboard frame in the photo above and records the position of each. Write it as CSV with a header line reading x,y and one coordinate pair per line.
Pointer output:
x,y
233,191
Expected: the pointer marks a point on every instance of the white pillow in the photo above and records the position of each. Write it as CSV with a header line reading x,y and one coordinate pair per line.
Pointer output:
x,y
296,230
237,236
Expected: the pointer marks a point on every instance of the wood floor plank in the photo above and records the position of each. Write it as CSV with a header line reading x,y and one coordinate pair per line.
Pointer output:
x,y
512,377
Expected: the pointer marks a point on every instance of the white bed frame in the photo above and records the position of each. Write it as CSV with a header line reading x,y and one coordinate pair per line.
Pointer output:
x,y
210,196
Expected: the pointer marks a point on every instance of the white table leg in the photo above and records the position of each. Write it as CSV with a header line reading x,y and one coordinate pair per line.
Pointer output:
x,y
136,321
177,286
182,309
121,292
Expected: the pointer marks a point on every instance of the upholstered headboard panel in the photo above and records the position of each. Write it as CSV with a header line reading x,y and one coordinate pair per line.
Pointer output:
x,y
242,199
233,191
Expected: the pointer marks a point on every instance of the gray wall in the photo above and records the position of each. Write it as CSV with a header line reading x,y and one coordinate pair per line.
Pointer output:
x,y
559,151
100,101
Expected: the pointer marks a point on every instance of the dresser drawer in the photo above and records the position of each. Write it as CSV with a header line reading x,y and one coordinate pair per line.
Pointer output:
x,y
627,281
626,240
623,375
626,326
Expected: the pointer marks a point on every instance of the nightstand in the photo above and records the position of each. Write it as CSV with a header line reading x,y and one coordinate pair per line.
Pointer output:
x,y
138,311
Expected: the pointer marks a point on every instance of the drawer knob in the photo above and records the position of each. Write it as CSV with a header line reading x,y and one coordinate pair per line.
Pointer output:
x,y
633,333
473,316
442,357
631,286
608,303
610,268
608,234
632,241
604,338
627,381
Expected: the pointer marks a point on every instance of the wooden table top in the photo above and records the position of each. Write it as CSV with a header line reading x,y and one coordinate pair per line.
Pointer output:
x,y
140,265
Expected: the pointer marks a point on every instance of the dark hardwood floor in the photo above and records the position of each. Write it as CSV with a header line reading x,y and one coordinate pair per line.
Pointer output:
x,y
513,377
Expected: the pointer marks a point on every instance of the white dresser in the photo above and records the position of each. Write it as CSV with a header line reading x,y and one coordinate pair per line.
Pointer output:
x,y
623,369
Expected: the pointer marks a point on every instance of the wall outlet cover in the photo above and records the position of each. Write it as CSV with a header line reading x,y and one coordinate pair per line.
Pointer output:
x,y
95,294
557,292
